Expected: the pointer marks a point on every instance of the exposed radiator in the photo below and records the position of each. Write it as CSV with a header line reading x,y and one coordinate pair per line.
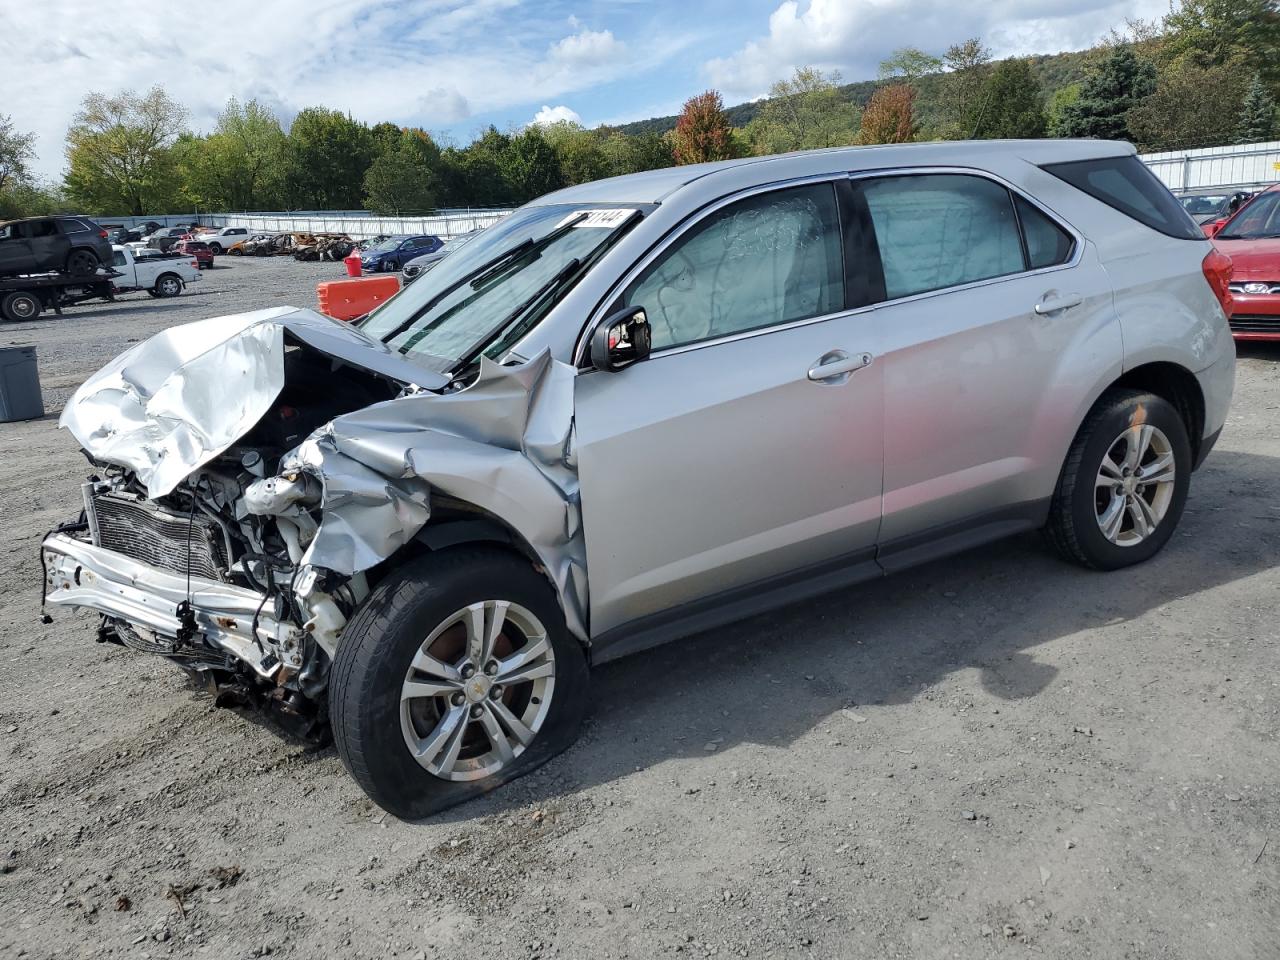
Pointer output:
x,y
152,535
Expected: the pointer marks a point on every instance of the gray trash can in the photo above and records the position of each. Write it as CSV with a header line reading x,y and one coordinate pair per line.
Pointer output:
x,y
20,397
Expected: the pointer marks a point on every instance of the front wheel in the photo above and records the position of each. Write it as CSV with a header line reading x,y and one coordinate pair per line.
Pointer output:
x,y
168,285
1124,484
19,306
457,675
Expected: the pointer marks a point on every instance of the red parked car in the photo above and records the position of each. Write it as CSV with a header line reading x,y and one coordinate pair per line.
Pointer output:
x,y
1251,239
197,249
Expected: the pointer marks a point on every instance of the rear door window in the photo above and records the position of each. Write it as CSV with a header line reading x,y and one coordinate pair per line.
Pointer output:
x,y
942,230
1047,243
1126,185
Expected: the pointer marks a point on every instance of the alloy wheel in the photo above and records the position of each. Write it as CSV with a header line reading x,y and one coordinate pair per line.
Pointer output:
x,y
477,691
1135,485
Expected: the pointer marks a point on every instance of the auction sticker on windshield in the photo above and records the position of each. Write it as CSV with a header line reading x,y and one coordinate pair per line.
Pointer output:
x,y
608,219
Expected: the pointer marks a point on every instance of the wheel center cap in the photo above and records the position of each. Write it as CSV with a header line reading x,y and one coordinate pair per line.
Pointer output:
x,y
477,688
1129,484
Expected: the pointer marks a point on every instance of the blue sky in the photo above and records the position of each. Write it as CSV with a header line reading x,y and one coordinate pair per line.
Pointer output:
x,y
455,66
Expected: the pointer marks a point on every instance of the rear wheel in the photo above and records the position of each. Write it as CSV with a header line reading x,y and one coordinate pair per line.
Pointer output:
x,y
457,675
216,248
81,262
1124,484
168,285
19,306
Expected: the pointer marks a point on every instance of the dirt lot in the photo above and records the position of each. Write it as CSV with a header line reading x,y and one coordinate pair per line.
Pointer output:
x,y
998,755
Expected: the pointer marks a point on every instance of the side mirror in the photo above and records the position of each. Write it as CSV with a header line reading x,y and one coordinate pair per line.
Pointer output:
x,y
1212,228
621,340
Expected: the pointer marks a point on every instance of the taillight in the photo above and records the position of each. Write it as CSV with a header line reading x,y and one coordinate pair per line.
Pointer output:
x,y
102,234
195,263
1217,270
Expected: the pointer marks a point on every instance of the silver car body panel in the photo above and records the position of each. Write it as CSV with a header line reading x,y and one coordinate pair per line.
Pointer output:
x,y
715,466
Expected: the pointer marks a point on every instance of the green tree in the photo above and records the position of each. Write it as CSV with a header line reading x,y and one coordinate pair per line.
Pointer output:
x,y
119,152
968,65
238,165
578,152
1191,107
326,155
890,116
17,150
1011,105
402,178
703,132
1059,102
1120,82
530,165
1257,122
909,64
804,113
624,153
1214,33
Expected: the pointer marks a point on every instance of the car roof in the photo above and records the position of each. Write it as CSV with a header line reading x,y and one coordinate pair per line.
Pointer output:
x,y
653,186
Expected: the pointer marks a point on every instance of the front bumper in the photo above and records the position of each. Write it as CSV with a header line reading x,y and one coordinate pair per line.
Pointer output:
x,y
78,574
1255,316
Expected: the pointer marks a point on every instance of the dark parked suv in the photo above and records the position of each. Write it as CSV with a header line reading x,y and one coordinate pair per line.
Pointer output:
x,y
44,244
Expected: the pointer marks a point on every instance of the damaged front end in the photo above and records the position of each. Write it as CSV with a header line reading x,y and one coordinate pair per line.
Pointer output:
x,y
258,474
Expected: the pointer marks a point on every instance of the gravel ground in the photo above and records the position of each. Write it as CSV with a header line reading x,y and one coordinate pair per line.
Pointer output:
x,y
997,755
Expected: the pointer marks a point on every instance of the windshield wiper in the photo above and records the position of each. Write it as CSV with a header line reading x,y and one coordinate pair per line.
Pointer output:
x,y
487,270
542,293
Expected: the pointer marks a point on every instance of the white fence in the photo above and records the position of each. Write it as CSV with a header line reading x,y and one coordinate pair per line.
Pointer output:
x,y
354,223
1215,168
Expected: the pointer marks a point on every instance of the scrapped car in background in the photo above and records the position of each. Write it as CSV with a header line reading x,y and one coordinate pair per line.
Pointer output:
x,y
1251,239
640,408
421,264
74,245
394,252
1208,208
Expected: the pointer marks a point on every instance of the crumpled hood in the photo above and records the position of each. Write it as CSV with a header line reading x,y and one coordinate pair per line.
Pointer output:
x,y
178,399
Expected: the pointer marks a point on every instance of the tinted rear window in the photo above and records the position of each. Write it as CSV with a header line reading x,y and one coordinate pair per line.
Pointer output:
x,y
1125,184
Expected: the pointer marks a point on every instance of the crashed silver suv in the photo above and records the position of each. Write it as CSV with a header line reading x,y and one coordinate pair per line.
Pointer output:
x,y
639,408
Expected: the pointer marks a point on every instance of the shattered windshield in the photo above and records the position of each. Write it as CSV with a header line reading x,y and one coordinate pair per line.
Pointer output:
x,y
486,295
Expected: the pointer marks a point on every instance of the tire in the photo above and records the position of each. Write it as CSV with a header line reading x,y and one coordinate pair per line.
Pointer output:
x,y
235,252
168,285
19,306
373,727
216,248
81,262
1109,514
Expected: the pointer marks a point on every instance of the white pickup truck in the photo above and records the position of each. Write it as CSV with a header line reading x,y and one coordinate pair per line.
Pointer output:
x,y
160,274
219,240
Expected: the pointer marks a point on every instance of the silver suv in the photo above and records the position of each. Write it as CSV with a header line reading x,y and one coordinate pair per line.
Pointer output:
x,y
640,408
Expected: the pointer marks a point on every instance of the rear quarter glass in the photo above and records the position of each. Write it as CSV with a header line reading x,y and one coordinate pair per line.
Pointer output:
x,y
1126,185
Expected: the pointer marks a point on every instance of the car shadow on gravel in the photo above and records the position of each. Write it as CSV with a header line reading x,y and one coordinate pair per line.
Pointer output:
x,y
771,679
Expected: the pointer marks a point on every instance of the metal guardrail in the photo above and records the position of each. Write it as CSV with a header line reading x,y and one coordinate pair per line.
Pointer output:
x,y
1217,168
357,224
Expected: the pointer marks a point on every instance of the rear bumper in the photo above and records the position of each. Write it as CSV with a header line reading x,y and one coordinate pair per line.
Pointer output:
x,y
78,574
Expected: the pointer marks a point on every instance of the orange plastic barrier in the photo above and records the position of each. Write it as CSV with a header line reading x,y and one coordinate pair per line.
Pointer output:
x,y
348,299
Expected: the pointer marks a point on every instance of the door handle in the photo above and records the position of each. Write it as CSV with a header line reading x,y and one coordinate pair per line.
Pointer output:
x,y
837,363
1059,303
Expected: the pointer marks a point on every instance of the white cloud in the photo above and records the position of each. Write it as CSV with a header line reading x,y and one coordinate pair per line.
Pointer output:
x,y
428,62
560,114
587,48
854,37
